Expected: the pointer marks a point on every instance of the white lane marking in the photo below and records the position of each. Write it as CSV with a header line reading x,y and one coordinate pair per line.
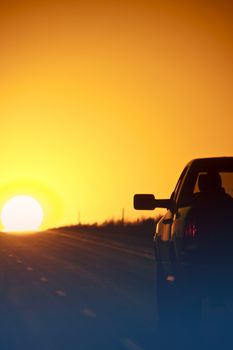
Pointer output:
x,y
88,313
10,255
61,293
29,268
130,344
19,261
44,279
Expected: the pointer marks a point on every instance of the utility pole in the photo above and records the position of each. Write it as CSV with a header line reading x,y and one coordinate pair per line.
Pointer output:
x,y
79,218
123,216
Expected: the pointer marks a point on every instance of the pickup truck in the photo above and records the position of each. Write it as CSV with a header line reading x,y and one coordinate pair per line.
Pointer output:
x,y
194,241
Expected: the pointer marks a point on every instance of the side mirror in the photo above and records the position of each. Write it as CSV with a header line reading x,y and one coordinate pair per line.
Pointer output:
x,y
148,202
144,202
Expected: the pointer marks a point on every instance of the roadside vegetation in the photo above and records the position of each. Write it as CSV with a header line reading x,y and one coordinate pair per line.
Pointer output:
x,y
140,230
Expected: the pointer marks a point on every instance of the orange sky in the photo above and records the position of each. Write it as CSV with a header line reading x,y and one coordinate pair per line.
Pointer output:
x,y
101,100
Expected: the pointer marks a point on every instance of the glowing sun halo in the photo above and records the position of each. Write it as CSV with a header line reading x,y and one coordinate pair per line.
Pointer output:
x,y
21,213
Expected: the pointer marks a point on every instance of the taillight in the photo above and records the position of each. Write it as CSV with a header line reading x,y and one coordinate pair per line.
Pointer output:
x,y
190,230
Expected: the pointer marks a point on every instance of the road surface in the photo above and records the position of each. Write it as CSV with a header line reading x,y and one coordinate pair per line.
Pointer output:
x,y
71,290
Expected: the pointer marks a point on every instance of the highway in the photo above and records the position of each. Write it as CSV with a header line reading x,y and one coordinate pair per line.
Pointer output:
x,y
72,290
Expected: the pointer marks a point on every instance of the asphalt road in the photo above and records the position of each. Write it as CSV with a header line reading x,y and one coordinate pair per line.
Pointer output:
x,y
70,290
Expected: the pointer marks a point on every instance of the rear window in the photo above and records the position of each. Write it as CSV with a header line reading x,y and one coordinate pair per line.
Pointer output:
x,y
191,183
227,182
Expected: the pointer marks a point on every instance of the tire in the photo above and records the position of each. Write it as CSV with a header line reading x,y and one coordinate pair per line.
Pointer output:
x,y
178,308
166,299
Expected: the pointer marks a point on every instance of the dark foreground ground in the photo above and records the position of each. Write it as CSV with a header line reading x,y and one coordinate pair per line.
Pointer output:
x,y
78,289
69,290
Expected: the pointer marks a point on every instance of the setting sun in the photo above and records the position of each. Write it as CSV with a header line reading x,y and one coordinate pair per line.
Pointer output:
x,y
21,213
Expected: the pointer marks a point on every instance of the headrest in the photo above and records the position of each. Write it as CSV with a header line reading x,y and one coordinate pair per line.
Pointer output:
x,y
209,182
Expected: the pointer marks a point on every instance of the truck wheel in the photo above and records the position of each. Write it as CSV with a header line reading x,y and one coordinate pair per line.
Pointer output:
x,y
177,309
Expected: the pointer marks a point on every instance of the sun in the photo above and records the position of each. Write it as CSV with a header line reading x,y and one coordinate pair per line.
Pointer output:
x,y
22,213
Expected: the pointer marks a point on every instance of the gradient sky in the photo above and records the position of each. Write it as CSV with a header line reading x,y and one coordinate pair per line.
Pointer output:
x,y
101,100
